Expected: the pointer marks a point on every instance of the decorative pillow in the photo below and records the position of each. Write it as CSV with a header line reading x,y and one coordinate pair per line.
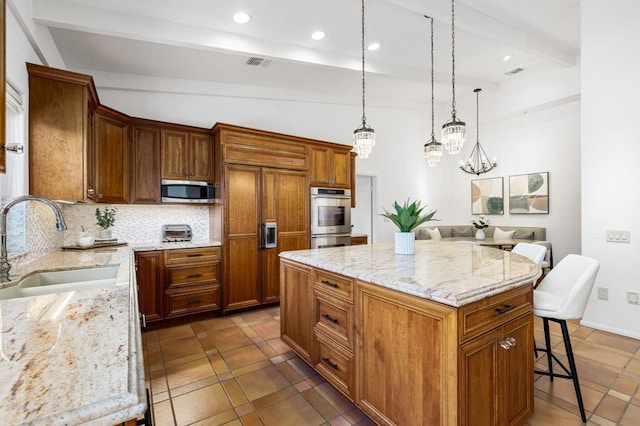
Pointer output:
x,y
523,235
434,233
503,235
462,232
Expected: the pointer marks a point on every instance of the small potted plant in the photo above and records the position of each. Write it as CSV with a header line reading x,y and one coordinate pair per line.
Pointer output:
x,y
407,217
105,220
480,223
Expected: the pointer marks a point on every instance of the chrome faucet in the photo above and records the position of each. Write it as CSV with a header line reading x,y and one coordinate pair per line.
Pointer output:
x,y
60,226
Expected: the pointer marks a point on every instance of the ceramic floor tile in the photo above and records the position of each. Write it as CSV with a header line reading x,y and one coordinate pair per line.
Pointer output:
x,y
189,372
548,414
631,416
218,323
293,411
200,404
235,393
180,348
611,408
256,317
274,397
611,340
626,385
173,333
230,338
163,414
259,383
321,405
243,357
602,354
224,418
268,330
278,345
193,386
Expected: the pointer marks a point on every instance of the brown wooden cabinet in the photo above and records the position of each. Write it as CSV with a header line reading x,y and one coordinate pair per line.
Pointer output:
x,y
61,105
178,282
359,240
330,166
406,360
3,168
187,155
254,196
149,276
145,171
110,156
353,156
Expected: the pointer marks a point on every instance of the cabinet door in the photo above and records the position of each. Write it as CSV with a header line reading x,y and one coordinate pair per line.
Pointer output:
x,y
111,159
320,166
201,157
341,166
518,370
242,224
296,308
285,198
149,276
352,171
145,165
175,145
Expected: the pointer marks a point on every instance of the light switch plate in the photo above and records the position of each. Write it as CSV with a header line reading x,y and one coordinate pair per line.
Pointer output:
x,y
603,293
618,236
633,297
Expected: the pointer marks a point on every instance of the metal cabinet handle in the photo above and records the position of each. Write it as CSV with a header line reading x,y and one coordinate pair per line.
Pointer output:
x,y
191,302
505,309
329,363
329,318
194,276
504,344
144,321
329,283
100,195
511,341
195,255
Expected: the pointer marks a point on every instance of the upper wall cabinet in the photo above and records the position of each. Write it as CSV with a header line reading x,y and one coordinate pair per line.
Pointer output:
x,y
61,106
111,156
187,155
330,166
145,174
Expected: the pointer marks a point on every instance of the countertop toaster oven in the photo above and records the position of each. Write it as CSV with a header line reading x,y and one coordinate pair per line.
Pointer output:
x,y
173,233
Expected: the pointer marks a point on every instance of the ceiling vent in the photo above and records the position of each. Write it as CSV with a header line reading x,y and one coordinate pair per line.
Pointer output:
x,y
258,62
514,71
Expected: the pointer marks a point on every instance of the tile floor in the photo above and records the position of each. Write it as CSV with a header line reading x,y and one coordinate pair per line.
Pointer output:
x,y
235,370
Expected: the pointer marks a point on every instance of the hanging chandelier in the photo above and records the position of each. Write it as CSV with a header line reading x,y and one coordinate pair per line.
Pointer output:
x,y
433,149
364,138
454,132
478,162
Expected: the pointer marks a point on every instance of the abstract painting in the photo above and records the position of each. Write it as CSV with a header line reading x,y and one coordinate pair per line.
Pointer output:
x,y
529,194
487,196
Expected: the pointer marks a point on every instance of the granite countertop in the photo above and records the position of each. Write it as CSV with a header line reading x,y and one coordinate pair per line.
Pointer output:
x,y
452,273
76,357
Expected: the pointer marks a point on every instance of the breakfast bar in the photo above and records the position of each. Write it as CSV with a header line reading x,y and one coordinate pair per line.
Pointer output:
x,y
442,337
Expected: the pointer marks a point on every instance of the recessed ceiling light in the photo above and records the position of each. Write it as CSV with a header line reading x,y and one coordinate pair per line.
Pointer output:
x,y
507,57
318,35
241,17
374,46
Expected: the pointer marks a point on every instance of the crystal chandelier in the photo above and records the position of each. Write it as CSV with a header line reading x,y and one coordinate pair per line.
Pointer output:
x,y
364,138
433,149
478,162
454,132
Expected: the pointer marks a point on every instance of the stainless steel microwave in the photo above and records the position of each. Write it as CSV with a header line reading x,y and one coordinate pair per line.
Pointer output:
x,y
186,191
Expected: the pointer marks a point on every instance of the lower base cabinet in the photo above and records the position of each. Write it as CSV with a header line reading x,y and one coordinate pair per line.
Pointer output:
x,y
413,361
178,282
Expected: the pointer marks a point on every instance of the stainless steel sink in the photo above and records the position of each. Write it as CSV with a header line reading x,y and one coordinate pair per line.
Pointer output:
x,y
62,281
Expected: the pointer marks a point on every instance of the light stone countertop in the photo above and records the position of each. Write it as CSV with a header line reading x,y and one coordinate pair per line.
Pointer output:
x,y
452,273
75,357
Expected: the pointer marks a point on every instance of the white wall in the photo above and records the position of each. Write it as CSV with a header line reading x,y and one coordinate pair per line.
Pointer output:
x,y
610,152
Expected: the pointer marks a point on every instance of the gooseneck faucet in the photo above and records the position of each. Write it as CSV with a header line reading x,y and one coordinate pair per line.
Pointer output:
x,y
60,226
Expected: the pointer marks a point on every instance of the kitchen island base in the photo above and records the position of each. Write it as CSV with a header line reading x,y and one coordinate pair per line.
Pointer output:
x,y
407,360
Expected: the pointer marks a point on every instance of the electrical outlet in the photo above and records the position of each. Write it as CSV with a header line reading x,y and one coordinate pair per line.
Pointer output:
x,y
603,293
633,297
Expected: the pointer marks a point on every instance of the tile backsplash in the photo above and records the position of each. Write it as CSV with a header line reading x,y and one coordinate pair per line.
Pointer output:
x,y
134,224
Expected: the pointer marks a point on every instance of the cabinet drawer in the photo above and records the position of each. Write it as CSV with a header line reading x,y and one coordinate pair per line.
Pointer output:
x,y
335,364
203,298
335,284
479,317
357,241
192,255
189,275
334,317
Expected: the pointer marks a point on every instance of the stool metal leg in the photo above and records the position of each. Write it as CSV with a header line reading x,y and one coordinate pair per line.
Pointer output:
x,y
572,367
547,341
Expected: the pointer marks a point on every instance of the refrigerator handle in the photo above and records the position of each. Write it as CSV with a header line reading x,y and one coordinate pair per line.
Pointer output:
x,y
270,235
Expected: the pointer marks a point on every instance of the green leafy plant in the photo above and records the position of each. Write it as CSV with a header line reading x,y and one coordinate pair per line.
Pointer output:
x,y
408,215
480,223
106,219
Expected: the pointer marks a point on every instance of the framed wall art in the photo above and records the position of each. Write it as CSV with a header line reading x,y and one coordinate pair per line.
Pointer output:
x,y
529,194
487,196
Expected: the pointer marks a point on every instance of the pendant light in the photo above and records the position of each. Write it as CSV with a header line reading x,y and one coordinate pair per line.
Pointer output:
x,y
433,149
454,132
478,162
364,138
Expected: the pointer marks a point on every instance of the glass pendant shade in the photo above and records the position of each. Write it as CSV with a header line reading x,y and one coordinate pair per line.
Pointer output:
x,y
364,139
454,133
433,152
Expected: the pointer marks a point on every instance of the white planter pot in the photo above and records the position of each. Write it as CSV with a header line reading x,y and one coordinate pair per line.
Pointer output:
x,y
480,234
105,234
405,243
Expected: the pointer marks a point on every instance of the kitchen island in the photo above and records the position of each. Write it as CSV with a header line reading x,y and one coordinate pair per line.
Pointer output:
x,y
442,337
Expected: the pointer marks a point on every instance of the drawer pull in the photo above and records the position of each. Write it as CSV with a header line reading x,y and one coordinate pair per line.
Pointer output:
x,y
329,363
194,255
329,318
505,309
329,283
194,276
193,301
